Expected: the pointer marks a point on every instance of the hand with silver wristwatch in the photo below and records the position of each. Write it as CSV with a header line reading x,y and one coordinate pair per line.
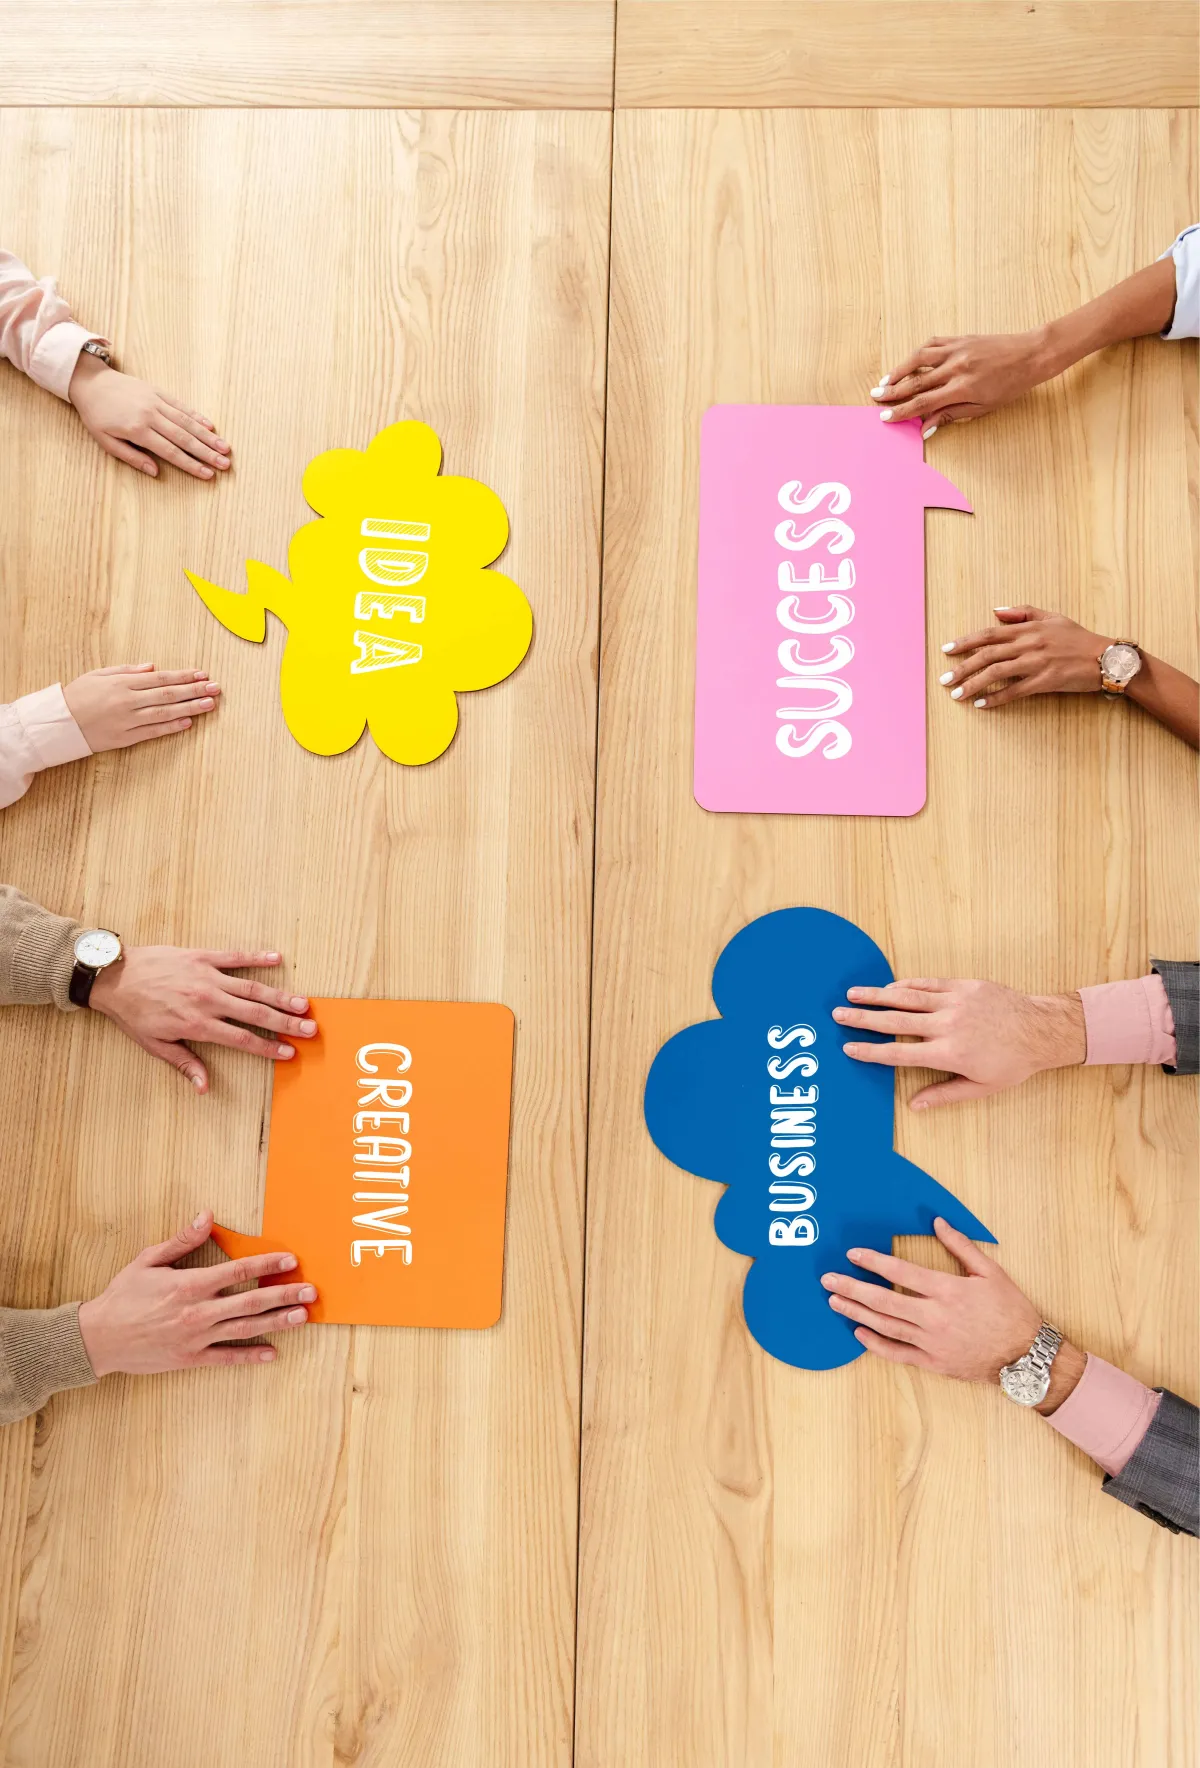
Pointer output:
x,y
1034,652
977,1326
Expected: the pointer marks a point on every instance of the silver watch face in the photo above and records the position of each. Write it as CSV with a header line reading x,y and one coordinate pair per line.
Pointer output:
x,y
97,948
1025,1384
1121,663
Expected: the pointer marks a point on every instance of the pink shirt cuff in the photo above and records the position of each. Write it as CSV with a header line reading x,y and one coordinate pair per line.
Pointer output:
x,y
1129,1022
36,731
55,354
1106,1415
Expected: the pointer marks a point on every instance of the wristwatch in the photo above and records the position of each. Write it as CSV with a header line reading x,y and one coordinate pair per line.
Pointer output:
x,y
1119,663
1027,1381
94,347
95,950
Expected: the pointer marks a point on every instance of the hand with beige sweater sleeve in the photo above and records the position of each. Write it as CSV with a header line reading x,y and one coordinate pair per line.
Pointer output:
x,y
150,1319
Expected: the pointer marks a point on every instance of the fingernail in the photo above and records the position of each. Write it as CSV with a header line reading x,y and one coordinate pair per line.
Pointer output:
x,y
199,1221
204,705
855,1253
308,1027
266,1356
296,1315
287,1262
197,1081
878,392
1002,608
270,958
835,1302
943,679
886,415
828,1280
206,472
982,702
950,646
931,431
840,1013
855,994
851,1049
299,1003
285,1052
956,693
920,1104
308,1293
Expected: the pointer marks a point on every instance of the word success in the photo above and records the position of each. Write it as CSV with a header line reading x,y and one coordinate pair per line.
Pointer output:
x,y
381,1157
791,1162
395,569
828,695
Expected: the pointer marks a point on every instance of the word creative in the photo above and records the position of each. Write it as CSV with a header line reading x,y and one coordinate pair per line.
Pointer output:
x,y
387,1164
810,633
366,647
764,1101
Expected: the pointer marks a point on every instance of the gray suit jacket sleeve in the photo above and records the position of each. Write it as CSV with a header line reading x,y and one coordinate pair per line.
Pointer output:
x,y
1182,983
1162,1476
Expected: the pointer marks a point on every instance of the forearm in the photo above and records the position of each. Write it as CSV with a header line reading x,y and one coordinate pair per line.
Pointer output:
x,y
41,1352
1135,308
1169,695
36,953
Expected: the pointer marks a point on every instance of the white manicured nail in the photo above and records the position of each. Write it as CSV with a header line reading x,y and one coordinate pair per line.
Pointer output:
x,y
1004,608
931,431
878,392
886,415
956,693
950,646
949,676
981,702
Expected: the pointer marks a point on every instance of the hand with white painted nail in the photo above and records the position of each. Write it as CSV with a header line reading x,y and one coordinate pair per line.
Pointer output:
x,y
153,1317
986,1036
952,380
135,422
132,702
160,995
1030,652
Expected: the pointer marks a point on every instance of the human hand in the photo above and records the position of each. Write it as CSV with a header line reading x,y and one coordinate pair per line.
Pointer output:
x,y
952,380
133,420
160,994
131,702
1031,651
968,1327
152,1318
988,1036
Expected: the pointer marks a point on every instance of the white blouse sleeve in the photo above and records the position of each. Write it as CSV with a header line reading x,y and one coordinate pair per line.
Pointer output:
x,y
1185,321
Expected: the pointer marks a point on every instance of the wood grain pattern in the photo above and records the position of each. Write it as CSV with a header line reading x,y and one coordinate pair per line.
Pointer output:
x,y
369,1556
870,1566
907,52
468,53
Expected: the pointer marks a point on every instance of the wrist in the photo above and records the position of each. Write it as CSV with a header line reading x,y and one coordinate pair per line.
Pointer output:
x,y
1056,346
105,986
1060,1036
1065,1373
100,1352
88,368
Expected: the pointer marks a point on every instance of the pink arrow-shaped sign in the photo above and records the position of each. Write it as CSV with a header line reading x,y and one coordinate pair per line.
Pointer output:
x,y
810,632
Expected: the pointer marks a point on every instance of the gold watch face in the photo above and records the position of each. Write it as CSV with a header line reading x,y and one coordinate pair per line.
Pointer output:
x,y
1120,663
98,948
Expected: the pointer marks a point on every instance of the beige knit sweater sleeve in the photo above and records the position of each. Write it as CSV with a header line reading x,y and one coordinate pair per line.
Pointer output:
x,y
36,953
41,1352
41,1349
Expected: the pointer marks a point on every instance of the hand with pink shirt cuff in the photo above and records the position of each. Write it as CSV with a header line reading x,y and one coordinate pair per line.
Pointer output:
x,y
988,1037
971,1325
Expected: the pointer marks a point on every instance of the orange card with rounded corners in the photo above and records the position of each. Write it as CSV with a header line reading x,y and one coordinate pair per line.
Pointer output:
x,y
387,1168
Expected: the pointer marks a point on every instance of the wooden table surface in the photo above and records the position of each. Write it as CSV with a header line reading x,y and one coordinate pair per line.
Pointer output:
x,y
610,1531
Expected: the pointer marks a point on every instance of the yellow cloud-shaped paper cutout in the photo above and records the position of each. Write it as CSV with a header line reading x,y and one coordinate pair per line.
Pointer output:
x,y
388,606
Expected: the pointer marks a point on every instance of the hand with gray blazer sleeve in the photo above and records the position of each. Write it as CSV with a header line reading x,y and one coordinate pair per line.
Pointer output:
x,y
1161,1479
1182,983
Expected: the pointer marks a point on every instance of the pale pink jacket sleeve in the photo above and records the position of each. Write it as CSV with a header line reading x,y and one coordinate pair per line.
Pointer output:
x,y
1129,1022
36,731
37,333
1106,1414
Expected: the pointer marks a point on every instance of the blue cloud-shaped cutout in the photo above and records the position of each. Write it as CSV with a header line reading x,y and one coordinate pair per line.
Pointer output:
x,y
764,1101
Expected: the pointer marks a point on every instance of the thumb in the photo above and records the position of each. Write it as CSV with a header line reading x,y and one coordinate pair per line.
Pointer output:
x,y
179,1245
977,1263
180,1057
949,1092
1011,616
